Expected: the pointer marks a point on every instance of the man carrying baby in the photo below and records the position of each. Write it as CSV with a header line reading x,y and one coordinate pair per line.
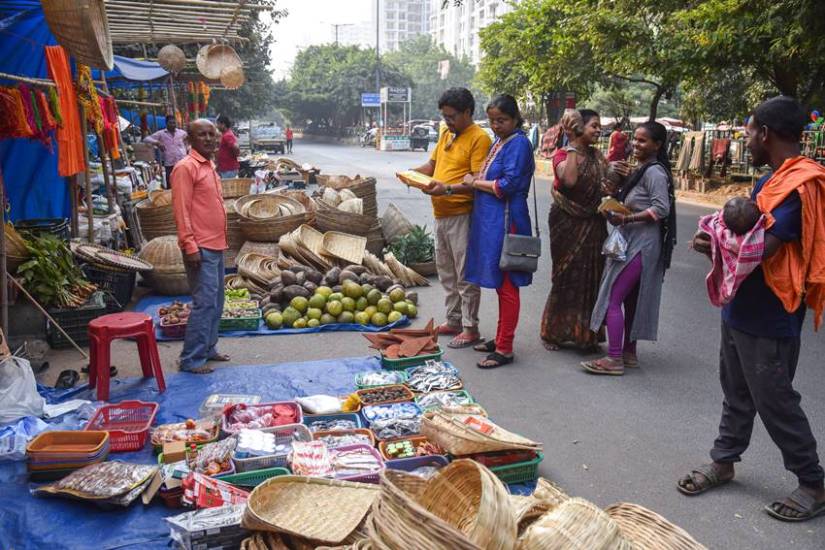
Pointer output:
x,y
761,323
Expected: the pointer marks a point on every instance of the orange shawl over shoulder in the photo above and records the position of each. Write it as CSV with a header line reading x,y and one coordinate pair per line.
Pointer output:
x,y
797,270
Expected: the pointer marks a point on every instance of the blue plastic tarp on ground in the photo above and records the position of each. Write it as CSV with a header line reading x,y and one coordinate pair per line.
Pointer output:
x,y
28,522
152,303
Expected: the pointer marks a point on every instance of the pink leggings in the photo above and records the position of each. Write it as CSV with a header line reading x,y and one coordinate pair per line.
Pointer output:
x,y
625,291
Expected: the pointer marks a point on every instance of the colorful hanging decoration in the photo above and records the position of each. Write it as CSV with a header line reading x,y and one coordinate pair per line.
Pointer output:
x,y
13,119
48,118
54,105
69,139
111,131
34,117
205,92
192,100
87,95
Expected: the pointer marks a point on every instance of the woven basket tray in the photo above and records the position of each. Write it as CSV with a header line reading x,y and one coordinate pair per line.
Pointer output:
x,y
349,248
575,523
647,530
329,218
451,434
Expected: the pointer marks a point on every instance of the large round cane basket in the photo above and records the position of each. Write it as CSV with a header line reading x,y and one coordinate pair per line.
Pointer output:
x,y
575,523
155,221
261,219
647,530
81,26
235,188
213,59
169,275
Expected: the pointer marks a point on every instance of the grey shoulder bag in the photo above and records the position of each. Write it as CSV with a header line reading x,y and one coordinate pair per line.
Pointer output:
x,y
521,252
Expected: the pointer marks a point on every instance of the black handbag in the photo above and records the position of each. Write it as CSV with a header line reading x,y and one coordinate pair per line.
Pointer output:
x,y
521,252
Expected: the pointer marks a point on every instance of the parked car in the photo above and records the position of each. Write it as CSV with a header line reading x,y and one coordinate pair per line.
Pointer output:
x,y
268,138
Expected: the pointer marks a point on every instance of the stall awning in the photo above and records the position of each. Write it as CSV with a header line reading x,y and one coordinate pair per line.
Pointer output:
x,y
136,70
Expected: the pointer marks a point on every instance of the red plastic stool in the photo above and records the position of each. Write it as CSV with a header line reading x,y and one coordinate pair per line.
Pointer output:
x,y
106,328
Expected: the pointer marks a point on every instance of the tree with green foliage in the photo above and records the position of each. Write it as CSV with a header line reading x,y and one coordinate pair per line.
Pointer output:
x,y
419,59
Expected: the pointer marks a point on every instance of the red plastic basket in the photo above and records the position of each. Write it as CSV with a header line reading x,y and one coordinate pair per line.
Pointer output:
x,y
127,422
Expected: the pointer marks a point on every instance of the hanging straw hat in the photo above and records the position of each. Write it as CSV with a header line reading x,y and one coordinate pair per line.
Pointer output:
x,y
212,59
232,77
172,58
81,26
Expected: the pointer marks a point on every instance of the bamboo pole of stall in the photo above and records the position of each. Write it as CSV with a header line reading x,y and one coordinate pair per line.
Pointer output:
x,y
90,214
74,214
110,199
4,283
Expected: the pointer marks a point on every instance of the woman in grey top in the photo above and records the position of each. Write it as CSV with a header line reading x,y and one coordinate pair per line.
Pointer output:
x,y
650,232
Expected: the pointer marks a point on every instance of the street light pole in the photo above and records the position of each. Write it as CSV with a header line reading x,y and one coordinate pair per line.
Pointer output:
x,y
377,47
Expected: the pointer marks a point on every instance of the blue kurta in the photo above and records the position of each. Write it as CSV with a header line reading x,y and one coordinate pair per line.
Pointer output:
x,y
513,168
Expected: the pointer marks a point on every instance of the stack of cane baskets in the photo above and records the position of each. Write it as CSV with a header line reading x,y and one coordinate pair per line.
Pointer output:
x,y
329,218
234,235
155,215
235,188
169,274
265,217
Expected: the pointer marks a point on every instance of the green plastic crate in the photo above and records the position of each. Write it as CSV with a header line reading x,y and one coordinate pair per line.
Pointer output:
x,y
407,362
242,323
520,472
255,477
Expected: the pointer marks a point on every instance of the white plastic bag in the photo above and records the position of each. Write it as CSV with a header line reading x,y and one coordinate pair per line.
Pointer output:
x,y
18,391
615,246
320,404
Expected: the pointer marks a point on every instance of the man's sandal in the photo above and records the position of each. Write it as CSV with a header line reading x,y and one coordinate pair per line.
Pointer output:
x,y
463,341
799,501
446,329
711,480
494,361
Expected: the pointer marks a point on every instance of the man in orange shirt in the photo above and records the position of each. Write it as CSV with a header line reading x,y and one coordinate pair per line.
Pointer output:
x,y
460,150
197,200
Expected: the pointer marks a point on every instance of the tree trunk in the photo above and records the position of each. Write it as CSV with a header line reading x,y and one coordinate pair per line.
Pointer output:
x,y
654,103
547,101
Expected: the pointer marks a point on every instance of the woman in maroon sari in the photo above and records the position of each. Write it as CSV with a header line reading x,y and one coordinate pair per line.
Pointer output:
x,y
577,232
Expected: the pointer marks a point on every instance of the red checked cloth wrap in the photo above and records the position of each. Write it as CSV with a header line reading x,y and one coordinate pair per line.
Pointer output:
x,y
733,257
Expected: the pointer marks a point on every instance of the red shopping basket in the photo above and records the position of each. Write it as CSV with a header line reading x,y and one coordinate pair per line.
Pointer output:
x,y
127,422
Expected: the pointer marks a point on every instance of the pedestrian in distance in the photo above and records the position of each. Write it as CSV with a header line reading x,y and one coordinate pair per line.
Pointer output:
x,y
171,141
761,325
460,151
228,150
197,201
289,135
577,232
619,147
635,283
500,189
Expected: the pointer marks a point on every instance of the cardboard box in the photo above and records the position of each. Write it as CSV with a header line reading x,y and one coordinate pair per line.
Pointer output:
x,y
174,451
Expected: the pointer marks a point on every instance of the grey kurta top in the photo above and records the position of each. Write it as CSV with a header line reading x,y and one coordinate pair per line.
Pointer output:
x,y
646,239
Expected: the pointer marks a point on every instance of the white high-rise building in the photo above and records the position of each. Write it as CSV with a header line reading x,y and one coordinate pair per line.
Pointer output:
x,y
456,27
401,20
355,34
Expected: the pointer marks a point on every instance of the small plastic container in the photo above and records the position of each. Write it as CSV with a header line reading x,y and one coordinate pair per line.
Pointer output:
x,y
520,472
215,403
407,362
411,464
341,433
311,419
127,422
407,395
368,477
362,384
299,417
283,434
176,330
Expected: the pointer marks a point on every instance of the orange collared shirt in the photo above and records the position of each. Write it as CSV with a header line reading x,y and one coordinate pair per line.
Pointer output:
x,y
197,200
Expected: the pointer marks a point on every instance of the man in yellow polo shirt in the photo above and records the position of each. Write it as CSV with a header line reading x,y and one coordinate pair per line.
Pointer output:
x,y
461,150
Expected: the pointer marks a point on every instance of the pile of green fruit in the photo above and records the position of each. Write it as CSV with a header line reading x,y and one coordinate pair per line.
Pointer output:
x,y
349,302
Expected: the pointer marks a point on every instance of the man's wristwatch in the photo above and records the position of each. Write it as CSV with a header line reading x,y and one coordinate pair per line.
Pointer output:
x,y
448,190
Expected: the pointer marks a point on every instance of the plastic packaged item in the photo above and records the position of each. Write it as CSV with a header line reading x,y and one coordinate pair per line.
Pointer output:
x,y
215,403
311,458
213,458
320,404
615,246
18,392
101,481
255,443
374,413
15,437
209,527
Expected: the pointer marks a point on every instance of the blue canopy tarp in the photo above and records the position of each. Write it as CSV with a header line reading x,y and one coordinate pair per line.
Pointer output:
x,y
29,168
136,70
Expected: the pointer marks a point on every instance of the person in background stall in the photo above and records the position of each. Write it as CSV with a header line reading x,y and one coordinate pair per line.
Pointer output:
x,y
460,150
228,151
289,136
172,144
197,201
619,148
761,326
501,190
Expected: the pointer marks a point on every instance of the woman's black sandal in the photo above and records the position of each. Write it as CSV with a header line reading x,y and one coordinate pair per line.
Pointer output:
x,y
486,347
495,360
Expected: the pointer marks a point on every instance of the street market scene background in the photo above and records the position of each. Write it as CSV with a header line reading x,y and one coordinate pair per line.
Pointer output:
x,y
304,382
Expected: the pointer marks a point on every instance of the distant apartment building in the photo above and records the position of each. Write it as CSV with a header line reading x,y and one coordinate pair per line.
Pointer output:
x,y
456,27
401,20
355,34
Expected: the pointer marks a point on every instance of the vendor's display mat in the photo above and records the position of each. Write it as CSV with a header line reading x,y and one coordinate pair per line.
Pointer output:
x,y
152,303
28,522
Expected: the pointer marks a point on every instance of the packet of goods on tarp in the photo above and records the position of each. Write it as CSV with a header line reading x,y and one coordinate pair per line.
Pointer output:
x,y
415,179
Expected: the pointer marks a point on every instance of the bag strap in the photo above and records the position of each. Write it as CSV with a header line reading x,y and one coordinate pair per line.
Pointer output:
x,y
535,209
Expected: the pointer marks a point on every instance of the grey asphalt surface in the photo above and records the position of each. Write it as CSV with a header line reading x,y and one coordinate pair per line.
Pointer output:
x,y
607,439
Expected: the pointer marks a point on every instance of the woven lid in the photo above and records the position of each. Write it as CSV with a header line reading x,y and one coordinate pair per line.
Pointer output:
x,y
212,59
172,58
95,254
232,77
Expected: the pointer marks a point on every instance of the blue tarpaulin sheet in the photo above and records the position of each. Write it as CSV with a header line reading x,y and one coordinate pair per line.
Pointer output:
x,y
152,303
135,70
28,522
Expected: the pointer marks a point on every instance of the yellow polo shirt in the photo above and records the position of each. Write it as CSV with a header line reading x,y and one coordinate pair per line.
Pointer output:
x,y
465,155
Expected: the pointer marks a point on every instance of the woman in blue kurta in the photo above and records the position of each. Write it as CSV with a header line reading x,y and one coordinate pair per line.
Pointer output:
x,y
505,178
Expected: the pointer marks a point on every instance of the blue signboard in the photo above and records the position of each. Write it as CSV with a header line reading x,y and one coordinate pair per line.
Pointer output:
x,y
370,100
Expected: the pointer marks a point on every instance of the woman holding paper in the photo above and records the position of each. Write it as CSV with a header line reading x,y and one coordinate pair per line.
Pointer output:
x,y
503,181
650,232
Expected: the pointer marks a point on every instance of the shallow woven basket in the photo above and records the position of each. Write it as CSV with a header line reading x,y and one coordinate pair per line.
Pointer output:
x,y
213,59
349,248
575,523
451,434
312,243
235,188
309,204
234,236
232,77
172,58
235,281
647,530
82,27
472,499
329,218
263,248
394,223
323,510
155,221
270,229
528,509
261,269
398,521
427,269
169,274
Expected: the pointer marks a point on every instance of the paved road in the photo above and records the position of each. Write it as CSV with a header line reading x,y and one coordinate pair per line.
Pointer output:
x,y
629,438
606,439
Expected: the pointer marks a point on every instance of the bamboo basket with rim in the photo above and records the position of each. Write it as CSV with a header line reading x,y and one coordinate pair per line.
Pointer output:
x,y
394,223
647,530
330,218
155,221
270,249
169,274
343,246
306,200
270,230
213,58
375,239
261,269
575,523
82,27
451,434
235,188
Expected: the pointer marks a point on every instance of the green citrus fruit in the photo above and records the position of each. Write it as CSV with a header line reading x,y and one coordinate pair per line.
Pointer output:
x,y
384,306
346,318
348,303
312,323
361,304
300,303
334,308
318,301
373,296
362,318
327,319
324,291
397,295
314,313
379,320
274,320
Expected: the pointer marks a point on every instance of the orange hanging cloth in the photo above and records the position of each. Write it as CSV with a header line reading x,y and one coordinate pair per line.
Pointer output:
x,y
797,270
70,159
